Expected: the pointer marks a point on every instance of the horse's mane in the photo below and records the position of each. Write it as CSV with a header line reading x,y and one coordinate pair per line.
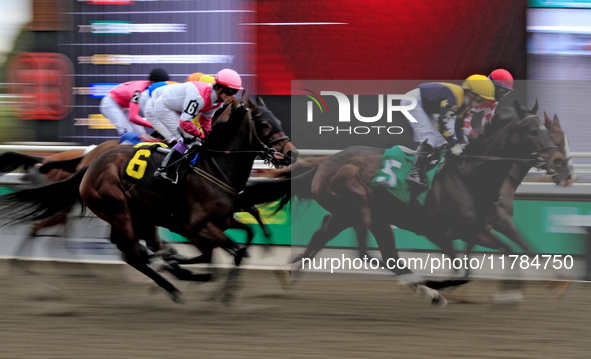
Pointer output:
x,y
502,118
223,126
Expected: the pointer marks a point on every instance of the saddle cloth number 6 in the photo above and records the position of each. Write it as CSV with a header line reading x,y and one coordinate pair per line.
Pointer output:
x,y
137,167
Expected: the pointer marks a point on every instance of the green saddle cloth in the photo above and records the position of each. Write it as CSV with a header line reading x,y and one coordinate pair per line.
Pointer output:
x,y
396,167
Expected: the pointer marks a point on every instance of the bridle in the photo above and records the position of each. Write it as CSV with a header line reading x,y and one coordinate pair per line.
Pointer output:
x,y
267,153
537,161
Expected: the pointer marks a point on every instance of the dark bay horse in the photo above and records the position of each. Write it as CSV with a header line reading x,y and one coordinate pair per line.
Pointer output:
x,y
62,165
501,221
461,201
204,201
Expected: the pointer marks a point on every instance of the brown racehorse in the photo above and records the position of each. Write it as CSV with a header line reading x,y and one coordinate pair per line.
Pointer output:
x,y
62,165
501,221
458,206
199,210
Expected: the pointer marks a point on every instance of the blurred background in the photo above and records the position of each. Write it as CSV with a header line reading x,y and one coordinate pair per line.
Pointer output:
x,y
59,58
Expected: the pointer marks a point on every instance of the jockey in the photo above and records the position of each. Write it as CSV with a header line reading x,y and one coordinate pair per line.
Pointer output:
x,y
121,105
195,76
440,109
151,95
503,82
186,101
147,99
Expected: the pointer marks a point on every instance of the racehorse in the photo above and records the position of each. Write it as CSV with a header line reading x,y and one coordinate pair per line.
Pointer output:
x,y
463,195
501,221
62,165
199,209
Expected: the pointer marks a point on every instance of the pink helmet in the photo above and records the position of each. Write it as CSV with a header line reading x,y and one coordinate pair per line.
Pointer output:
x,y
229,78
502,78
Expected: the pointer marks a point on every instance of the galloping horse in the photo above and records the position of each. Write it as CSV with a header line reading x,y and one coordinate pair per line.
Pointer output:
x,y
62,165
462,197
198,209
501,221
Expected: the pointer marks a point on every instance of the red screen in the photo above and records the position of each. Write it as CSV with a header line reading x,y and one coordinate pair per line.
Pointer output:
x,y
387,40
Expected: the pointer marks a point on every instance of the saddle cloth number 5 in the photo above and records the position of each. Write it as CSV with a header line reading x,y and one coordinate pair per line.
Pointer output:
x,y
137,167
391,182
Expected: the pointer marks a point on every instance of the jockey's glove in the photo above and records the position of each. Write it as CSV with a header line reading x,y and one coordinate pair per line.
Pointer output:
x,y
458,149
190,140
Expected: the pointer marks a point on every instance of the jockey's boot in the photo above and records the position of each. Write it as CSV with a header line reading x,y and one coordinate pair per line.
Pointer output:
x,y
165,171
416,177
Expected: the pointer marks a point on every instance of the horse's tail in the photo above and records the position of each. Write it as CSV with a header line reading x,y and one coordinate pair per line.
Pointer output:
x,y
42,202
269,190
65,165
10,161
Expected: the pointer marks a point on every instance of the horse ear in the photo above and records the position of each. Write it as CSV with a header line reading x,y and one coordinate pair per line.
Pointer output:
x,y
556,120
225,116
534,110
247,100
260,101
519,109
547,121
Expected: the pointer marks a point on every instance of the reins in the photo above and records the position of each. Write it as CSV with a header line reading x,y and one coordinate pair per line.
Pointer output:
x,y
216,181
267,153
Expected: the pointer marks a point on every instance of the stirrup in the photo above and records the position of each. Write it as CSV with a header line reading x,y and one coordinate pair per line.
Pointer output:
x,y
416,181
162,175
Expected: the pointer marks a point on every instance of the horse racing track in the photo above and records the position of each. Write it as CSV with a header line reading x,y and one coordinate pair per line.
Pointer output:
x,y
64,310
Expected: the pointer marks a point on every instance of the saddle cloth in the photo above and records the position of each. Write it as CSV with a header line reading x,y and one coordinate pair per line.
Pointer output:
x,y
396,165
142,165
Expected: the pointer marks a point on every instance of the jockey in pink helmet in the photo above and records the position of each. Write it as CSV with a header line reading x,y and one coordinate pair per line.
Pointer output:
x,y
503,82
179,104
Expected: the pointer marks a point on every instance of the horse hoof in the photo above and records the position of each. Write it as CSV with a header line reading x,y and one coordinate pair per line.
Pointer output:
x,y
178,297
439,301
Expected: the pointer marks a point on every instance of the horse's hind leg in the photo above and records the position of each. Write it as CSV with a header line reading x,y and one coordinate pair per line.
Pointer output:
x,y
114,210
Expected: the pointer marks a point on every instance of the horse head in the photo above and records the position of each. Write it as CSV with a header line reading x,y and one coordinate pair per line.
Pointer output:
x,y
531,138
256,130
558,137
270,131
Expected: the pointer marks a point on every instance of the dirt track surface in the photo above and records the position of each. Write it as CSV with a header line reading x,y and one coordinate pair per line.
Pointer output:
x,y
94,311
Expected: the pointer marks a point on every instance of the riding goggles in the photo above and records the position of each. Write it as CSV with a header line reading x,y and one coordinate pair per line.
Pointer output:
x,y
229,91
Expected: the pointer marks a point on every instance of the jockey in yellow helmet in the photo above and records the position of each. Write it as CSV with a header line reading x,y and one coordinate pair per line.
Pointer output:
x,y
439,114
503,82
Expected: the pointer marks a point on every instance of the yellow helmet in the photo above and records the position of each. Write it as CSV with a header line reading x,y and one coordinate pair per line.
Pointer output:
x,y
480,85
195,76
207,78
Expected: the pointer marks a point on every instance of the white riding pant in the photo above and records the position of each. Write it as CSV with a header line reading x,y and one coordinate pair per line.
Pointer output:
x,y
147,104
424,129
168,118
119,116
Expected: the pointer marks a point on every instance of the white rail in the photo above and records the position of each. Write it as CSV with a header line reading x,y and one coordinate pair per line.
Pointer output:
x,y
579,168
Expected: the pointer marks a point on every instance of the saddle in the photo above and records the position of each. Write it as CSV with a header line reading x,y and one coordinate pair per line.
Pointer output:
x,y
396,165
146,159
